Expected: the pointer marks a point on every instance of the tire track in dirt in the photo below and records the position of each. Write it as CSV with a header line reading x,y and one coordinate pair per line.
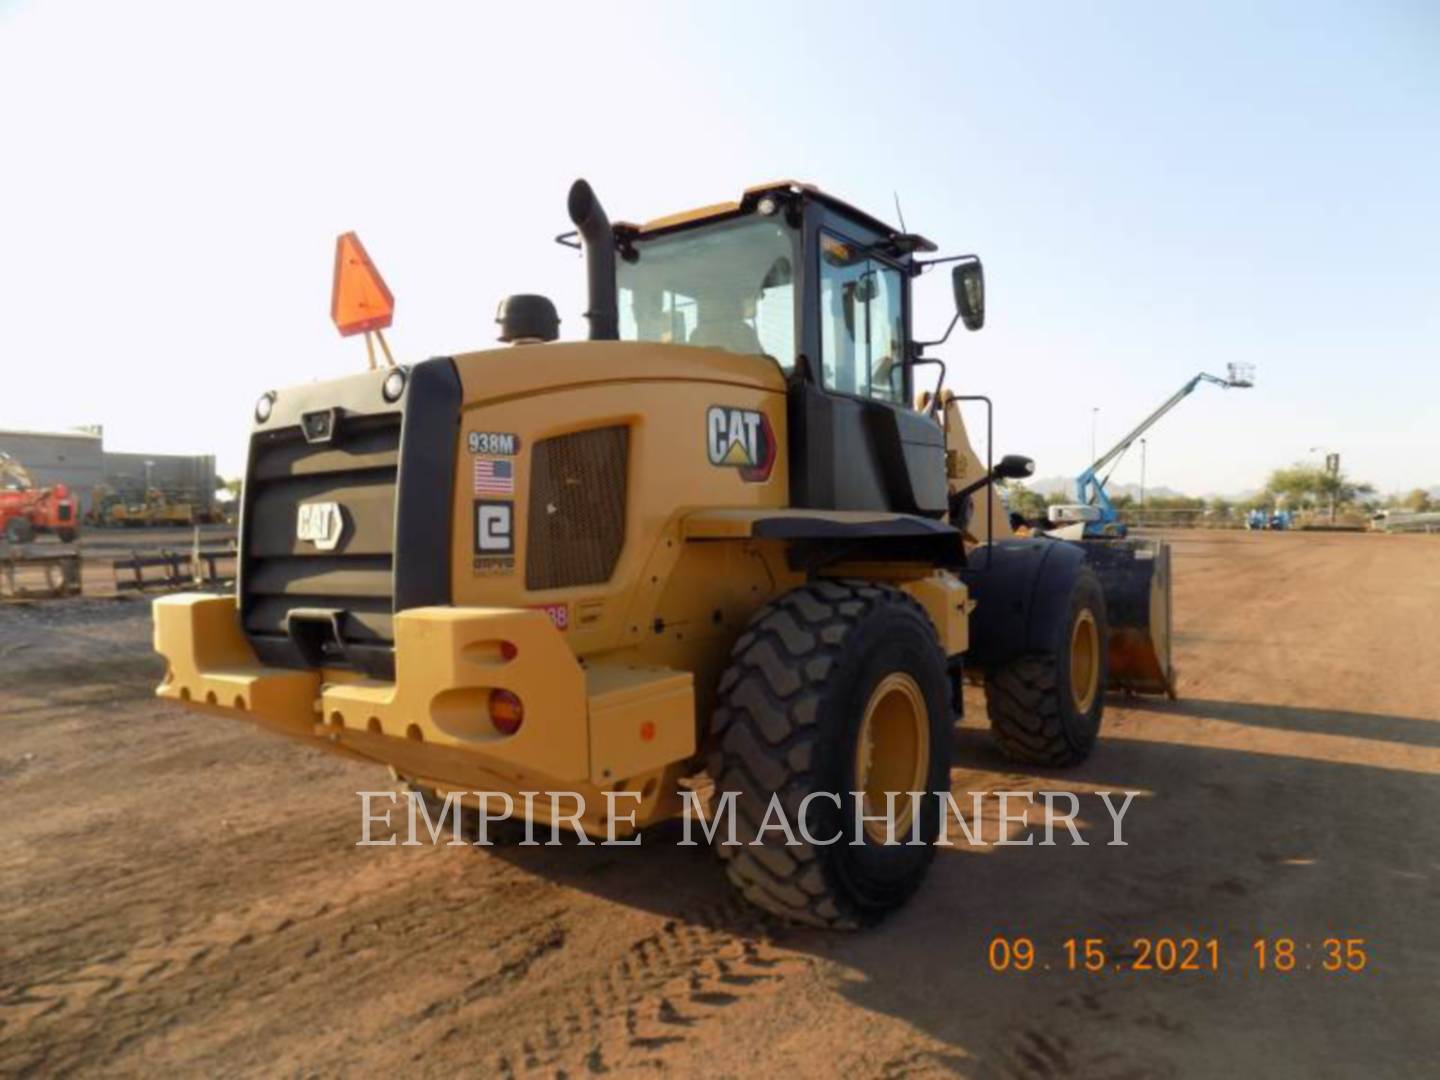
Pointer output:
x,y
534,1005
326,934
662,990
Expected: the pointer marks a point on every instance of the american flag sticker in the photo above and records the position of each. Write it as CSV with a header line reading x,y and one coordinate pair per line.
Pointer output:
x,y
494,477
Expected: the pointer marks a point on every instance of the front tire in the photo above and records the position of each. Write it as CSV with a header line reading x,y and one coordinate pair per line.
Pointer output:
x,y
836,687
1046,707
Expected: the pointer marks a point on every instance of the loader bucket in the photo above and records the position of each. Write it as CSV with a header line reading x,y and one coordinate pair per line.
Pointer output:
x,y
1135,575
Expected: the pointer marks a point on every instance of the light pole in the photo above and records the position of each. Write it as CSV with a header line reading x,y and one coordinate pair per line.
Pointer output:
x,y
1332,470
1142,474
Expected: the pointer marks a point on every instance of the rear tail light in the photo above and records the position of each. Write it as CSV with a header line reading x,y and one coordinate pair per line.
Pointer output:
x,y
507,711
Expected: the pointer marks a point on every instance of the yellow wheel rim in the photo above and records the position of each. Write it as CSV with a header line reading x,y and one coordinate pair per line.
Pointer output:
x,y
1084,661
892,752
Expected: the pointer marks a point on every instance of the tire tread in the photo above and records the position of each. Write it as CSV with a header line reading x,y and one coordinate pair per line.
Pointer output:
x,y
764,736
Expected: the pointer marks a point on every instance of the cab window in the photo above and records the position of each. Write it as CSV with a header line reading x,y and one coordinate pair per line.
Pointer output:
x,y
862,322
722,286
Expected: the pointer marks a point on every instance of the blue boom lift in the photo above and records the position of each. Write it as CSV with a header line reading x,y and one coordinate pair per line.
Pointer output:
x,y
1092,505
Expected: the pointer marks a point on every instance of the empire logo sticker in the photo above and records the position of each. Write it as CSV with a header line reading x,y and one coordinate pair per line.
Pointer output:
x,y
494,536
740,439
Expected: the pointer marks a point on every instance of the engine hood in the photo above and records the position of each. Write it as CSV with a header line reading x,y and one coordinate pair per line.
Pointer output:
x,y
522,370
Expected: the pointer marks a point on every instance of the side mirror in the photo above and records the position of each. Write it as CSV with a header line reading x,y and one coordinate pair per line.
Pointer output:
x,y
968,279
1013,467
1010,467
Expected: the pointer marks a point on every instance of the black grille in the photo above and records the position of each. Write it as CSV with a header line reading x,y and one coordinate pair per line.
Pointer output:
x,y
392,475
576,522
283,573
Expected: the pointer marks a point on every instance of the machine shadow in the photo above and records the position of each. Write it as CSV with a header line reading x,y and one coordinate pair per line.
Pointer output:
x,y
1410,730
1219,843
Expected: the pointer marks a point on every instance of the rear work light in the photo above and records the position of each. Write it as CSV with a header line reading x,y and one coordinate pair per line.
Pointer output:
x,y
507,711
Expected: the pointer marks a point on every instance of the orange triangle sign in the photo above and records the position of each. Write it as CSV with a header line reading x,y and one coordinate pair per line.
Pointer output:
x,y
359,301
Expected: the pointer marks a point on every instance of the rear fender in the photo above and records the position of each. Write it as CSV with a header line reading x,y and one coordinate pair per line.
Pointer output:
x,y
1021,590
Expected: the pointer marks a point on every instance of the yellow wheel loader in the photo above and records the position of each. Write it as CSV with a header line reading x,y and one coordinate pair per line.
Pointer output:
x,y
717,538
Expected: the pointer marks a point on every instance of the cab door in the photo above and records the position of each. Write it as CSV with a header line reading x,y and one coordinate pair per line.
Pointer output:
x,y
856,444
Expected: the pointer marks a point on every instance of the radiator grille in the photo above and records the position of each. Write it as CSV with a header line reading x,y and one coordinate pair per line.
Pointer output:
x,y
282,573
577,508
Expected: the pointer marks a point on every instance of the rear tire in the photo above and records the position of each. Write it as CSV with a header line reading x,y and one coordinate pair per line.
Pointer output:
x,y
18,530
837,686
1046,708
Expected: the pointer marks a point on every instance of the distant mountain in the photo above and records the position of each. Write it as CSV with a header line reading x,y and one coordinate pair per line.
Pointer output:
x,y
1237,497
1050,485
1064,485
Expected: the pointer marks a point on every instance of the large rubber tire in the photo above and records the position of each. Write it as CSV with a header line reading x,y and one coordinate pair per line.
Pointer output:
x,y
791,707
18,530
1040,712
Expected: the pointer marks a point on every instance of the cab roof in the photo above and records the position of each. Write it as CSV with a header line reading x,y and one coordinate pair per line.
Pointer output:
x,y
753,194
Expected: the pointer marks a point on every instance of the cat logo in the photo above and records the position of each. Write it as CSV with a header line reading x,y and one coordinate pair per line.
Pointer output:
x,y
320,523
740,439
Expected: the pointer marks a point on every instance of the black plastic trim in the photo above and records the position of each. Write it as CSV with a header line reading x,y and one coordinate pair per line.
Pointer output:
x,y
817,542
796,527
424,489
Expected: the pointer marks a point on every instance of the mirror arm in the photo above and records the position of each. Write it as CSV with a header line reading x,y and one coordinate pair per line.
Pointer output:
x,y
970,489
1003,471
923,264
921,346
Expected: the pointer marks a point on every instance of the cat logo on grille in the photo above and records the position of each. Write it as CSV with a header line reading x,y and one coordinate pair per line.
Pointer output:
x,y
320,524
740,439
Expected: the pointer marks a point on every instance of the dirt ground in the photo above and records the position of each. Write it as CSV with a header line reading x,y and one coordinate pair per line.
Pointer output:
x,y
183,893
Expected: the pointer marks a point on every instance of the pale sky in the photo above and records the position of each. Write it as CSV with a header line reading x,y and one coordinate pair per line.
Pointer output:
x,y
1155,192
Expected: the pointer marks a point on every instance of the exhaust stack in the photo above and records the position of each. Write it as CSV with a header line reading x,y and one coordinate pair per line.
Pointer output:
x,y
594,228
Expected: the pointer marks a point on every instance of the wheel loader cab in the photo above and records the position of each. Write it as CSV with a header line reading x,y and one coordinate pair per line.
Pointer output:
x,y
823,290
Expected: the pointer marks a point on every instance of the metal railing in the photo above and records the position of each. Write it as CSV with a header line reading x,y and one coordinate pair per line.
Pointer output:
x,y
210,569
1408,521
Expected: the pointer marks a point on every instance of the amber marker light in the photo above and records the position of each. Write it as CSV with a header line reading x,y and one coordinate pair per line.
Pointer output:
x,y
507,711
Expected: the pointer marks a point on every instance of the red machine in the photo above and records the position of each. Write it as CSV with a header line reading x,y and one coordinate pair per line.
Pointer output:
x,y
26,509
